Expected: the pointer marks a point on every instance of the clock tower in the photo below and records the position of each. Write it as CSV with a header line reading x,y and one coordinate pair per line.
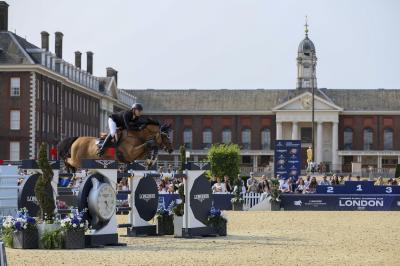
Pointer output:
x,y
306,63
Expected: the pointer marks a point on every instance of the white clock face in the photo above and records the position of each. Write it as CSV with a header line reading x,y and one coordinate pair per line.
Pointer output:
x,y
106,201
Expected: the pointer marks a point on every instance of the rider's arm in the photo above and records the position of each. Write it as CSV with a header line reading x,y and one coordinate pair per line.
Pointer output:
x,y
127,117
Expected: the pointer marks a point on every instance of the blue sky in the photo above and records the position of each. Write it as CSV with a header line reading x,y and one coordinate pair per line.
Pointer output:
x,y
215,44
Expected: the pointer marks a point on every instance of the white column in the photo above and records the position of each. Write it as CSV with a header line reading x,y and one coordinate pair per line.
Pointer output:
x,y
379,161
398,159
359,159
335,146
295,130
255,163
319,142
278,130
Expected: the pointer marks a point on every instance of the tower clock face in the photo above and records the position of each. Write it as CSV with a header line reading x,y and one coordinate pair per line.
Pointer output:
x,y
106,201
306,102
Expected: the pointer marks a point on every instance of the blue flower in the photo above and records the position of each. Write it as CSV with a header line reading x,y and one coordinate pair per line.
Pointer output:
x,y
215,212
18,226
30,220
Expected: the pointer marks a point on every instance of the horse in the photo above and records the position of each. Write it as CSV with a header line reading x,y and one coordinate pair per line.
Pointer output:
x,y
132,145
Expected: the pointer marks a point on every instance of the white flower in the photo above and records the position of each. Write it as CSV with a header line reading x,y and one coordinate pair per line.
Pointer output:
x,y
82,225
25,226
74,225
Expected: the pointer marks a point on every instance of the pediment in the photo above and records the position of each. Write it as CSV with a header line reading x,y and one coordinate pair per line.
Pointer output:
x,y
303,102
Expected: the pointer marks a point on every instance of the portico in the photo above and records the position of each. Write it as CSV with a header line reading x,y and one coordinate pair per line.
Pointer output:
x,y
293,121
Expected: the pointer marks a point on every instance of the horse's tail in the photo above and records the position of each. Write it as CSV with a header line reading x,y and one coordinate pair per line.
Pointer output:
x,y
64,147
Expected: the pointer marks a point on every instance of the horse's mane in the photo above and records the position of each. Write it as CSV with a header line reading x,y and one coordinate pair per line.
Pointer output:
x,y
151,121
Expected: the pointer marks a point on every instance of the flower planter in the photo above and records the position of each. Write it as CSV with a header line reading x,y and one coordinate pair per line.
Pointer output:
x,y
42,228
178,225
219,229
275,206
74,239
26,239
237,206
165,225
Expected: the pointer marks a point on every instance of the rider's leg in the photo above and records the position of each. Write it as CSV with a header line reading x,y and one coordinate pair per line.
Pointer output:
x,y
107,141
113,129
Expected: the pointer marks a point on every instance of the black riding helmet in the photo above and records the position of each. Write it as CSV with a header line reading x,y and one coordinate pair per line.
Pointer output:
x,y
137,106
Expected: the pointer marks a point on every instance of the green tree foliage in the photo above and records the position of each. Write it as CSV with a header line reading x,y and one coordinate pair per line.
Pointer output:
x,y
46,202
397,174
224,160
182,158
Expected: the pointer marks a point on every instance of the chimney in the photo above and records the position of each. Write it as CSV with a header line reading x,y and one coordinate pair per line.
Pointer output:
x,y
78,59
89,62
111,72
45,40
58,44
3,16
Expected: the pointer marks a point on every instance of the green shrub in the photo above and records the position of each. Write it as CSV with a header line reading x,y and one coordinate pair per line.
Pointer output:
x,y
46,202
397,174
224,160
52,239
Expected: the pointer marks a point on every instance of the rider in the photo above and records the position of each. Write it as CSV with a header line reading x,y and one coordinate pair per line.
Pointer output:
x,y
124,119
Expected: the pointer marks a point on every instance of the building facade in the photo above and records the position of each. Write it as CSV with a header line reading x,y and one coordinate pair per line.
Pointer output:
x,y
44,99
351,125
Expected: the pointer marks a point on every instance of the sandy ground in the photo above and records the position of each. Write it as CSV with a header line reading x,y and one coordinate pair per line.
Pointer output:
x,y
255,238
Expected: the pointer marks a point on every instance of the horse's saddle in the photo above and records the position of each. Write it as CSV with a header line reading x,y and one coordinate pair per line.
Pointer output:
x,y
103,135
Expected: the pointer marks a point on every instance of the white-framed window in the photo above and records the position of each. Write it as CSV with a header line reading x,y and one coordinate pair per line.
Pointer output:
x,y
15,87
226,136
15,123
246,138
265,139
207,138
14,150
187,138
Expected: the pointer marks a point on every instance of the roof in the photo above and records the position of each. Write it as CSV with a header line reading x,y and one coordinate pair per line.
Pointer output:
x,y
306,45
12,47
262,99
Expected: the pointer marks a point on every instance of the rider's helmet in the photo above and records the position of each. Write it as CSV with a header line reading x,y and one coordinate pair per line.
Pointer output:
x,y
137,106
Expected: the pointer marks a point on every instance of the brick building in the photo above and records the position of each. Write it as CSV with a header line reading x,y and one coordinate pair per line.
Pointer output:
x,y
351,125
46,99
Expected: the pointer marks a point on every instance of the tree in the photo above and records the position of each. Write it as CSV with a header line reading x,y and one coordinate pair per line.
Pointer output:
x,y
46,201
224,160
397,174
182,158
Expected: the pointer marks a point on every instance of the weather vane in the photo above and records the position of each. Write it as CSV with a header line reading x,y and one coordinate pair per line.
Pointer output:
x,y
306,25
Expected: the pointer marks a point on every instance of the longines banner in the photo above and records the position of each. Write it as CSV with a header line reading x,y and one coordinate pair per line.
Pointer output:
x,y
342,202
288,158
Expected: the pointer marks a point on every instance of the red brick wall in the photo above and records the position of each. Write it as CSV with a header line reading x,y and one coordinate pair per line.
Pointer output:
x,y
7,104
376,122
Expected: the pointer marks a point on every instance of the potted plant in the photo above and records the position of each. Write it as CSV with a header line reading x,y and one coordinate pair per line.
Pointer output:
x,y
217,221
165,223
237,200
46,202
51,239
275,196
73,229
20,232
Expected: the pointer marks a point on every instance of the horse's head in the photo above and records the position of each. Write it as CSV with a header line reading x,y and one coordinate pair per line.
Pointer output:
x,y
166,143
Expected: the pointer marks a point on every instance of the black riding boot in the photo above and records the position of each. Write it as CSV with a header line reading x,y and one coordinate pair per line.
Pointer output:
x,y
103,147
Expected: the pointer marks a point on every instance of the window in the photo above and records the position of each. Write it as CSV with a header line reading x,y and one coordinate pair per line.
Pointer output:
x,y
388,139
226,136
368,137
187,138
246,138
15,120
15,84
265,139
14,151
348,138
207,138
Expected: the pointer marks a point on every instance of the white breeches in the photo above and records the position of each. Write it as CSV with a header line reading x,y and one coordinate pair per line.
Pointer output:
x,y
112,126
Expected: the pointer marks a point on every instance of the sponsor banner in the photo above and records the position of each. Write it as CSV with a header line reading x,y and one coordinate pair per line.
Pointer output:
x,y
288,158
201,198
358,187
340,202
146,198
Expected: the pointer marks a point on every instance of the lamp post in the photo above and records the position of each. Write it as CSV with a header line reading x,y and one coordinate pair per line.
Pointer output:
x,y
186,211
